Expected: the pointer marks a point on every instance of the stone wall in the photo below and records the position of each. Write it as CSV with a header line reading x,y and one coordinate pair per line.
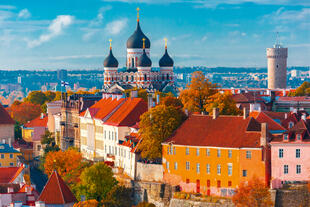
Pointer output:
x,y
293,197
149,172
174,202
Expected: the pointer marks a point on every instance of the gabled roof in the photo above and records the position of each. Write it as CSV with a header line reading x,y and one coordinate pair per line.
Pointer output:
x,y
294,98
9,174
37,122
273,124
56,191
5,148
5,118
224,131
129,113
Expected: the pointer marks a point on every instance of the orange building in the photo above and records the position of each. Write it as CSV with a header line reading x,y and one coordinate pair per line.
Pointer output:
x,y
212,155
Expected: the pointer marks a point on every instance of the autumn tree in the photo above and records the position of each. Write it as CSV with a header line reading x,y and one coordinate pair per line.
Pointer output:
x,y
50,96
195,96
156,125
253,194
36,97
302,90
224,102
23,112
68,164
96,182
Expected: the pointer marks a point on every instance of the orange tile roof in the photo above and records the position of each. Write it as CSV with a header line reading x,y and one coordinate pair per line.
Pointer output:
x,y
5,118
129,113
262,117
56,191
9,174
224,131
37,122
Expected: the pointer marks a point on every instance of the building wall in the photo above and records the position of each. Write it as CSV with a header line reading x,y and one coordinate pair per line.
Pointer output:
x,y
216,182
289,158
6,132
5,162
27,134
149,172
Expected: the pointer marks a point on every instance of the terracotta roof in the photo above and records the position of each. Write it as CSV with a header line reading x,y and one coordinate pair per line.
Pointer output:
x,y
5,118
262,117
247,97
224,131
131,141
295,98
56,191
104,107
9,174
37,122
129,113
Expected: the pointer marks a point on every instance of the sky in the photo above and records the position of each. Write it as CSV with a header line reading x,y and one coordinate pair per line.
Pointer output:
x,y
74,34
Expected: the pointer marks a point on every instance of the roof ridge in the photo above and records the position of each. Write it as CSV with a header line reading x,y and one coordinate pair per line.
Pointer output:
x,y
58,183
273,120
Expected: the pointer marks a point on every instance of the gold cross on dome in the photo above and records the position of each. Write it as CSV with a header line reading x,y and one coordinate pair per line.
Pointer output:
x,y
110,40
138,15
165,39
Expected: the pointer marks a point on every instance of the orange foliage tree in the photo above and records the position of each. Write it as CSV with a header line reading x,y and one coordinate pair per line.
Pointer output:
x,y
24,111
224,102
253,194
68,164
195,97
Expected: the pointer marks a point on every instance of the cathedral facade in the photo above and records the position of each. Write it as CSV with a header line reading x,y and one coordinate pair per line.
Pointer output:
x,y
139,72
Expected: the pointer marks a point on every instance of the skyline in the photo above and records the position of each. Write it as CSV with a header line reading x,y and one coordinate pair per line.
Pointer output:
x,y
74,34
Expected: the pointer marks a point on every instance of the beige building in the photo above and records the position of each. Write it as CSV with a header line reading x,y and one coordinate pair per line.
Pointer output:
x,y
277,63
52,109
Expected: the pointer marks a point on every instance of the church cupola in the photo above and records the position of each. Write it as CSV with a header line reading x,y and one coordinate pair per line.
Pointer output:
x,y
144,60
166,60
110,61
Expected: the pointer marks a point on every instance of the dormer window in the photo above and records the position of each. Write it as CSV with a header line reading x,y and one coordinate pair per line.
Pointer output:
x,y
290,124
298,136
285,137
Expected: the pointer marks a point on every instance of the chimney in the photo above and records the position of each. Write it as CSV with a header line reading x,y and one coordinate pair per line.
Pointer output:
x,y
285,116
10,142
263,138
215,113
245,113
134,94
42,116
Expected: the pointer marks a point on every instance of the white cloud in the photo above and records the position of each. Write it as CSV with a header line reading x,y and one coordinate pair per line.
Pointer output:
x,y
55,28
24,14
204,38
115,27
8,7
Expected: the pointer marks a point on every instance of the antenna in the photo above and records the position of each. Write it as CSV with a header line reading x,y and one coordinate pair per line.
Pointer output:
x,y
277,43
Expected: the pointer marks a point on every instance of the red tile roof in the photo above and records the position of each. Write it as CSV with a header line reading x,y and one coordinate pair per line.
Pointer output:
x,y
5,118
129,113
224,131
37,122
262,117
9,174
56,191
295,98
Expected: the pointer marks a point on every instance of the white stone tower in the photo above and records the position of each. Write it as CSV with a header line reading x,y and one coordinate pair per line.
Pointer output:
x,y
277,63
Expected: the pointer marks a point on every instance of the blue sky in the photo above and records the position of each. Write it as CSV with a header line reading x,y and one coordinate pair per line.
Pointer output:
x,y
74,34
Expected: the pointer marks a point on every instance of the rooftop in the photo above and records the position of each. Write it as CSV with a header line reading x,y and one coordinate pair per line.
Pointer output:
x,y
5,118
5,148
37,122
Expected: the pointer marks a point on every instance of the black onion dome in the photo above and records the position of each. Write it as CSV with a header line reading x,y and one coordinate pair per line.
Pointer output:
x,y
110,61
135,40
144,60
166,60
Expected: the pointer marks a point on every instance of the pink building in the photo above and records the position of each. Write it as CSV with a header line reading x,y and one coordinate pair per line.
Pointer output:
x,y
290,155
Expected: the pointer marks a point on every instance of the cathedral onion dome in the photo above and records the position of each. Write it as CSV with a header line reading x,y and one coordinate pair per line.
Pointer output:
x,y
166,60
135,40
144,60
110,61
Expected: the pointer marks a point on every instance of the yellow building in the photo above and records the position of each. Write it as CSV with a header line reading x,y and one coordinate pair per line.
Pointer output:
x,y
8,156
213,155
27,134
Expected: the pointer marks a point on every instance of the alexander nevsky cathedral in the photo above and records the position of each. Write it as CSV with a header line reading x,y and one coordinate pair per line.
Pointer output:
x,y
139,72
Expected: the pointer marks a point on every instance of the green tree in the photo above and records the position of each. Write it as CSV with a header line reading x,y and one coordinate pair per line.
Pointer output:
x,y
50,96
36,97
48,140
119,196
17,131
156,125
224,103
195,96
96,182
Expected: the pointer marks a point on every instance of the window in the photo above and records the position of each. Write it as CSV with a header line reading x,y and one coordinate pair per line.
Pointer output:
x,y
285,137
229,169
229,153
174,150
109,135
187,165
229,184
244,173
298,169
208,168
187,151
187,180
109,149
208,152
168,150
39,147
290,125
218,183
11,156
218,169
197,151
248,154
115,135
198,168
145,77
175,165
167,165
11,164
218,153
2,156
105,134
208,183
298,136
297,153
280,153
285,169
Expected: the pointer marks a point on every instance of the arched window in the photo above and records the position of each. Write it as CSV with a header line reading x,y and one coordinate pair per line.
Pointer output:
x,y
167,76
132,78
145,77
163,77
132,62
126,78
